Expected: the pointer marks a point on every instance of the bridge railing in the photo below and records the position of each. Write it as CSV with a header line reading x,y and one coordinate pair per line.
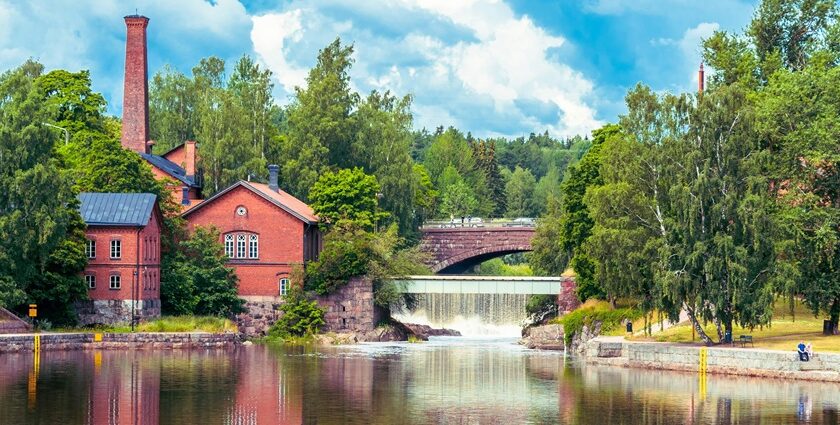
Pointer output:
x,y
479,222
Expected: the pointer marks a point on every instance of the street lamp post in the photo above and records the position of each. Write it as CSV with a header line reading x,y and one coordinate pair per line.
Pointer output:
x,y
66,133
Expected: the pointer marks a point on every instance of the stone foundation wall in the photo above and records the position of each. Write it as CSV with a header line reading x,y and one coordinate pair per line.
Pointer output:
x,y
110,341
720,360
107,312
260,313
351,308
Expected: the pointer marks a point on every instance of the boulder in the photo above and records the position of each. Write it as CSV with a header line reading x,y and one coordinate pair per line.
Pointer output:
x,y
544,337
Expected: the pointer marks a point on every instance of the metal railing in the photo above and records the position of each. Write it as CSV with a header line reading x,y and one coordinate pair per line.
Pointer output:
x,y
479,222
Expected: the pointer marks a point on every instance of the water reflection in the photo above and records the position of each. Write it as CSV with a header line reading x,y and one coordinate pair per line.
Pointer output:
x,y
444,381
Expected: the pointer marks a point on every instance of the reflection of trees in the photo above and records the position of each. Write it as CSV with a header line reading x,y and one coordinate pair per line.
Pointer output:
x,y
197,386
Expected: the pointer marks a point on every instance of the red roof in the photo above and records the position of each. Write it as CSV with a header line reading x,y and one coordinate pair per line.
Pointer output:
x,y
285,201
288,200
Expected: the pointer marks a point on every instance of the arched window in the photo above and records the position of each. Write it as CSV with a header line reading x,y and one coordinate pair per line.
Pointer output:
x,y
229,245
240,245
253,246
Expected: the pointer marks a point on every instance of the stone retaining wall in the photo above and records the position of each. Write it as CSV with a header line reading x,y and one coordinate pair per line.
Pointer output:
x,y
350,308
110,341
9,323
720,360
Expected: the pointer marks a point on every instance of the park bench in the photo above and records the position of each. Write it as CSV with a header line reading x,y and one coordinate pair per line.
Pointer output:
x,y
745,339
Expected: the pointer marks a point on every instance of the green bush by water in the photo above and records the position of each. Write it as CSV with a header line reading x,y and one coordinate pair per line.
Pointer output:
x,y
587,314
209,324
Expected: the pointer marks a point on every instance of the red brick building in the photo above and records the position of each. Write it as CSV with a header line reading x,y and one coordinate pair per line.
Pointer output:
x,y
178,167
265,232
123,250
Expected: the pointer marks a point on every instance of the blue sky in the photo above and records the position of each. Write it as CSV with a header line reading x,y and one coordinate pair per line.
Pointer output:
x,y
491,67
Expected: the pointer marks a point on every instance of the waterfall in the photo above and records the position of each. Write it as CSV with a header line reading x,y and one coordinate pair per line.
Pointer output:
x,y
471,314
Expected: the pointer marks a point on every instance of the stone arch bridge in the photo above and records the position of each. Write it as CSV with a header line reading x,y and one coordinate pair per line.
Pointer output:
x,y
455,249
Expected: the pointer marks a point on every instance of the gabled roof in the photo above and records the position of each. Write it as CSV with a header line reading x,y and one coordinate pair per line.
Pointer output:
x,y
117,209
285,201
170,168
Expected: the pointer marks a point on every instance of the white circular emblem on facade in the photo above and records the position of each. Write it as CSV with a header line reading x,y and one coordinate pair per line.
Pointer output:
x,y
241,211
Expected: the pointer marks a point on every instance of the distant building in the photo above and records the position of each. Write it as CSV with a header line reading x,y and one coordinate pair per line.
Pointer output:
x,y
123,251
265,231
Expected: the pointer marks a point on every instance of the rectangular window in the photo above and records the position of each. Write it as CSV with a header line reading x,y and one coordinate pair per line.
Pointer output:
x,y
253,247
90,281
116,248
240,246
229,246
90,248
284,286
115,281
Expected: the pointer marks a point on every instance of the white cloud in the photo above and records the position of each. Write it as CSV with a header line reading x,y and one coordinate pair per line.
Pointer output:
x,y
690,47
470,63
268,35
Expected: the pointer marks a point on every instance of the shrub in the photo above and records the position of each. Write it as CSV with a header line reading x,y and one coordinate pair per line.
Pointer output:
x,y
541,307
590,313
301,317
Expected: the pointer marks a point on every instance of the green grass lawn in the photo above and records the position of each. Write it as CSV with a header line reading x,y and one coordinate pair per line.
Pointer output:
x,y
167,324
784,333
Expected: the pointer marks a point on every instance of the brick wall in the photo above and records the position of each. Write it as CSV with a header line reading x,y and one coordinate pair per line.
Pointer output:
x,y
280,238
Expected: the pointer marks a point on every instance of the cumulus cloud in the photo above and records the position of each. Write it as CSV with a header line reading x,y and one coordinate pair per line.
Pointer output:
x,y
472,64
690,46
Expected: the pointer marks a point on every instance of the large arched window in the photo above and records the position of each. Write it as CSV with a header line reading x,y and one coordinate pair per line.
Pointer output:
x,y
242,245
253,246
229,245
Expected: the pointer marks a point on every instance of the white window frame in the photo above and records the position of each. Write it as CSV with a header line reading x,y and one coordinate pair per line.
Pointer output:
x,y
284,286
90,281
116,249
253,246
90,248
115,282
241,246
229,247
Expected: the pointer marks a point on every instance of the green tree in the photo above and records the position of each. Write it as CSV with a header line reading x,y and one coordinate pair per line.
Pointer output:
x,y
382,146
348,195
520,193
320,126
41,231
198,282
798,116
547,189
458,200
485,159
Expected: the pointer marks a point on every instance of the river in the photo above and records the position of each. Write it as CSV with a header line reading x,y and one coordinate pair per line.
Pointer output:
x,y
446,380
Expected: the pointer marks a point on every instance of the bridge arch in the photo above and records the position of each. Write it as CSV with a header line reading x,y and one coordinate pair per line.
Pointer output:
x,y
454,250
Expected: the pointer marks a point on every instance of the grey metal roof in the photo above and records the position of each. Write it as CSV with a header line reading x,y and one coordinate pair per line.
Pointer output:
x,y
116,209
170,168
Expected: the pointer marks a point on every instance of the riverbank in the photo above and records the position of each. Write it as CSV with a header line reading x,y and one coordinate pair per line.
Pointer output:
x,y
616,351
13,343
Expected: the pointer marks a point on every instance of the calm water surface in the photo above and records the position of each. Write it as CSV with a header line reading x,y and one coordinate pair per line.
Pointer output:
x,y
447,381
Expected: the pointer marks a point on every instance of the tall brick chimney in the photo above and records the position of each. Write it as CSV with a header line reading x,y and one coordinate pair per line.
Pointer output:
x,y
701,79
135,121
189,157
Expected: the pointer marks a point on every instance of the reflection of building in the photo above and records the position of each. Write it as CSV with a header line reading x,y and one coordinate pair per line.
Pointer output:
x,y
123,250
264,393
125,389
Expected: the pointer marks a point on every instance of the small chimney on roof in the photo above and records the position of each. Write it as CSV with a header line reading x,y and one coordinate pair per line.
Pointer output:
x,y
273,169
189,157
185,195
701,79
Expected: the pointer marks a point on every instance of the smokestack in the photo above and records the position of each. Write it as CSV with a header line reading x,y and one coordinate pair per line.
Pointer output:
x,y
189,157
701,79
272,177
185,195
135,121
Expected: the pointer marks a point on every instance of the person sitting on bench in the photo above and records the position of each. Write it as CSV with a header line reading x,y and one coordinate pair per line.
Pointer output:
x,y
803,353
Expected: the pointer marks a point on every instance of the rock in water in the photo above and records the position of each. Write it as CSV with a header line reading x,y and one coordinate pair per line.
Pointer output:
x,y
545,337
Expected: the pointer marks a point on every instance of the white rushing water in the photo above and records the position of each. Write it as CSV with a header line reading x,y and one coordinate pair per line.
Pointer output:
x,y
492,315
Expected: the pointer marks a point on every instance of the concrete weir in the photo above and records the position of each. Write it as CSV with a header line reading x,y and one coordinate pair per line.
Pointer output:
x,y
463,284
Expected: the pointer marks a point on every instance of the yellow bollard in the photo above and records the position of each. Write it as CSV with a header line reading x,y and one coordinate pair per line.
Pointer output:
x,y
702,367
97,337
